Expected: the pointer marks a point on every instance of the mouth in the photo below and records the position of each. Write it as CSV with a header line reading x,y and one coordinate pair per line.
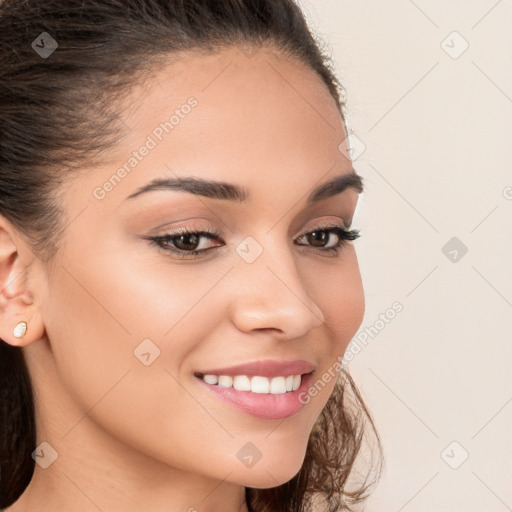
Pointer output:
x,y
255,384
265,389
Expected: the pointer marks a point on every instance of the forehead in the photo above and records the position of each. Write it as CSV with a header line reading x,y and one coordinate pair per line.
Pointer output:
x,y
231,77
262,121
245,107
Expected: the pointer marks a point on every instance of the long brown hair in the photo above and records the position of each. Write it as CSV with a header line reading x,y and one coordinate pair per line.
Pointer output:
x,y
59,113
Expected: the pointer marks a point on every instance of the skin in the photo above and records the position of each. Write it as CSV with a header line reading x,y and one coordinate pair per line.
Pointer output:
x,y
131,437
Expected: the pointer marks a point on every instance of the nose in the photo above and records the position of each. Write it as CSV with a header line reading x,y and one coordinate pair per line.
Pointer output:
x,y
271,295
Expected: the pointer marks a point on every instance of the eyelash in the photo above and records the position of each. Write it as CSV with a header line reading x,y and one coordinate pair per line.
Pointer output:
x,y
344,235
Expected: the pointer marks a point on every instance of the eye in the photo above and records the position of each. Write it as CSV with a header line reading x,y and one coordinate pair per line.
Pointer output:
x,y
330,238
186,243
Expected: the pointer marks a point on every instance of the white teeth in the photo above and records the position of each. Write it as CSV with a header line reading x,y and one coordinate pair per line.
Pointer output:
x,y
278,385
256,384
225,381
242,383
260,385
211,379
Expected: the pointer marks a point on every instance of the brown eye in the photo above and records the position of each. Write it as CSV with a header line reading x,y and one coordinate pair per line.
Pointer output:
x,y
187,242
318,238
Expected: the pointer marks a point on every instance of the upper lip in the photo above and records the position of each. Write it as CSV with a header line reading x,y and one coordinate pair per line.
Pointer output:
x,y
264,368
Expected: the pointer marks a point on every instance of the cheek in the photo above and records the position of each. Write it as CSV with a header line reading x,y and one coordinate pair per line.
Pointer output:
x,y
104,312
339,294
338,291
95,320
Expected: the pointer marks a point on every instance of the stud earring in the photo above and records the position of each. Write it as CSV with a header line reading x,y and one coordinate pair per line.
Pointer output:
x,y
20,330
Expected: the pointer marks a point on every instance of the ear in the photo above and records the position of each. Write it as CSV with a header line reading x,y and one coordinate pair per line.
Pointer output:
x,y
17,291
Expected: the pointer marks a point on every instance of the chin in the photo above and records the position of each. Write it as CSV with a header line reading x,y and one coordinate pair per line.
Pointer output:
x,y
272,474
263,480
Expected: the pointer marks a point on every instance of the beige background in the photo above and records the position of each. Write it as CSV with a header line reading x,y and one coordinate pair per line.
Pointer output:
x,y
437,126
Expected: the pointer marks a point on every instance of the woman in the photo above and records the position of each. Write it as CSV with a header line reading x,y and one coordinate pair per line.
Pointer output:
x,y
178,279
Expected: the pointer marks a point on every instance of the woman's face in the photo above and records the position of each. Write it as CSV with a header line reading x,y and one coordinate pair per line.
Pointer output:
x,y
131,325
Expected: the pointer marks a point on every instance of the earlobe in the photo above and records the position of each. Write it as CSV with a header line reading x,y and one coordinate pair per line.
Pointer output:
x,y
20,321
24,332
20,333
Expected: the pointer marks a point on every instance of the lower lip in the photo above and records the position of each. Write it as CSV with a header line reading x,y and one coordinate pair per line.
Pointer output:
x,y
263,405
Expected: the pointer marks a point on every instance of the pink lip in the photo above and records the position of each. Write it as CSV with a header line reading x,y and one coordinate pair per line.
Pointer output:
x,y
264,406
265,368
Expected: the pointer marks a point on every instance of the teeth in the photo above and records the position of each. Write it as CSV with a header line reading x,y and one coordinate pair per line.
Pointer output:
x,y
242,383
257,384
211,379
260,385
225,381
278,385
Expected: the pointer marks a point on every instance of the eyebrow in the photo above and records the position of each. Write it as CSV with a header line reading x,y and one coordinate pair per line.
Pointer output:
x,y
227,191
